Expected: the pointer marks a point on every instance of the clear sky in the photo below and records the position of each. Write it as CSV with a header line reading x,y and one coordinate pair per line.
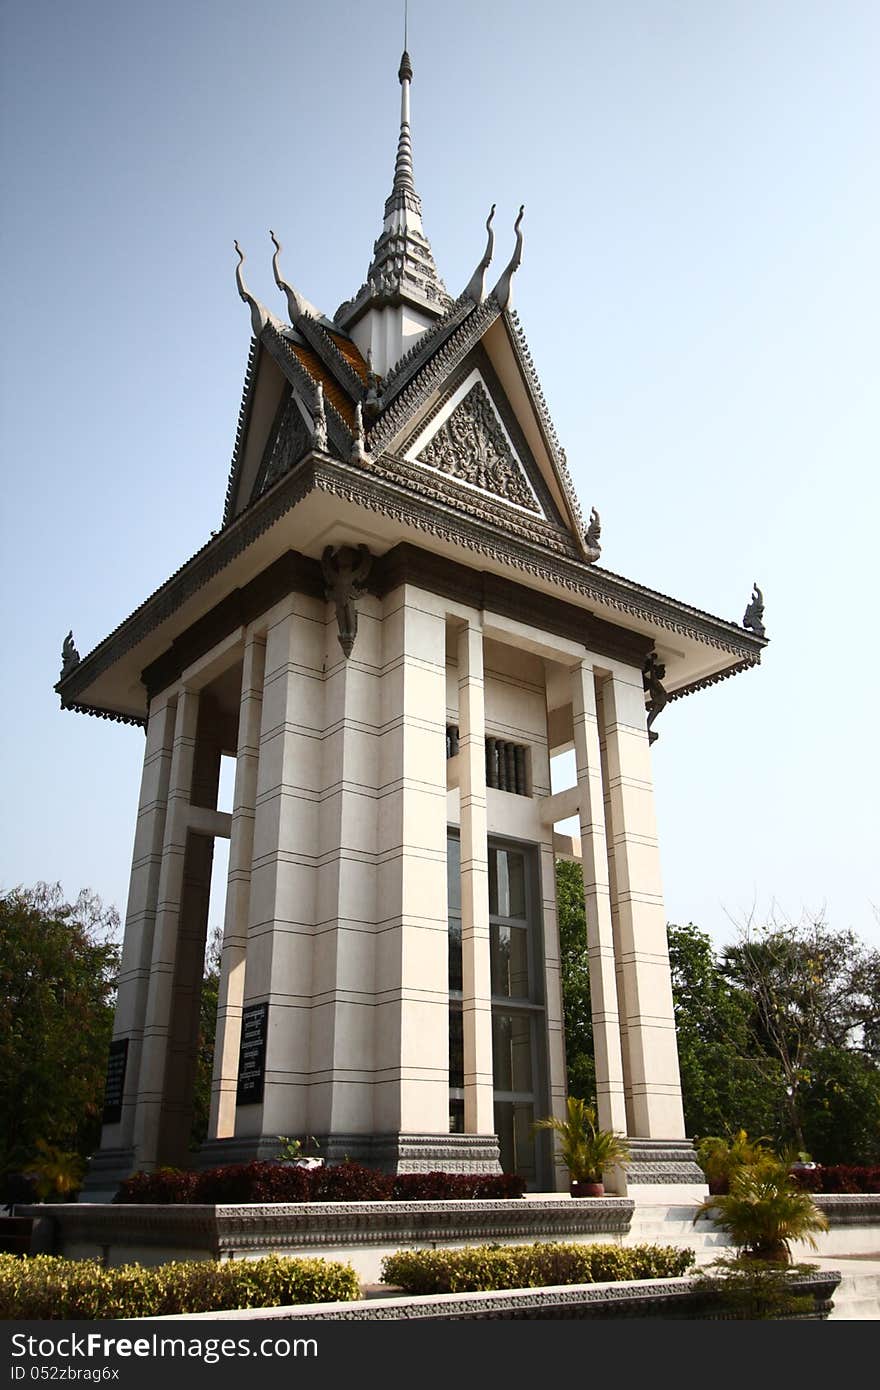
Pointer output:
x,y
700,290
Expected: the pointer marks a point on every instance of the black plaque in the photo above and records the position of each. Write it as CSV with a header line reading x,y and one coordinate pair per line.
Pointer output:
x,y
252,1056
115,1081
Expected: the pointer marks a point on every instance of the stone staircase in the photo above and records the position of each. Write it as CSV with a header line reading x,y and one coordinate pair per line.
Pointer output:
x,y
857,1297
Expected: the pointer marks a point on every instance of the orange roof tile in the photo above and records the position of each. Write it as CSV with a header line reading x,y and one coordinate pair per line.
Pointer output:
x,y
351,354
332,390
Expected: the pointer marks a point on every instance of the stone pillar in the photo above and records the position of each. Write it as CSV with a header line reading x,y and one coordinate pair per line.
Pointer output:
x,y
476,967
151,1079
597,901
235,927
342,1021
283,886
140,919
411,981
641,943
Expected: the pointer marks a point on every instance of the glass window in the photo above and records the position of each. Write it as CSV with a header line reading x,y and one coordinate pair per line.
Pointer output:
x,y
516,1138
507,883
456,1047
509,948
455,954
453,874
512,1051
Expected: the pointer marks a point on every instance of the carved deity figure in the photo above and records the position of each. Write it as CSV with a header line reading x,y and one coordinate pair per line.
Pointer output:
x,y
345,571
319,424
653,675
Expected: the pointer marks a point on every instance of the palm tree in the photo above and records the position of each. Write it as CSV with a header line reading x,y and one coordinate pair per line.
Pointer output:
x,y
765,1210
586,1150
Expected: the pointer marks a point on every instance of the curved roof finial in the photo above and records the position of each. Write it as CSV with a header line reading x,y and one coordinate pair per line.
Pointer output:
x,y
295,302
502,289
259,314
475,287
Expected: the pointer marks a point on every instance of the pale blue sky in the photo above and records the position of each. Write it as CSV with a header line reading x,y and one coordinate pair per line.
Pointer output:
x,y
700,289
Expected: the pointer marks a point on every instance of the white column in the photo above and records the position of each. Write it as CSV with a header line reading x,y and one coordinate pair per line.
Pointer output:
x,y
476,968
343,1014
283,888
151,1081
642,949
597,901
411,980
238,892
140,918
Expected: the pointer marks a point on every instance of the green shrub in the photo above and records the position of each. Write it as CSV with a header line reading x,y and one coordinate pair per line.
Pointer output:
x,y
47,1286
483,1267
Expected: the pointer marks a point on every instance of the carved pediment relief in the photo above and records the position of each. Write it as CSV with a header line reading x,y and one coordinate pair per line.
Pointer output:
x,y
472,445
291,440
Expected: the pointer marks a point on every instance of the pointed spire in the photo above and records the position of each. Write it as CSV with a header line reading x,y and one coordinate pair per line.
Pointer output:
x,y
402,268
404,178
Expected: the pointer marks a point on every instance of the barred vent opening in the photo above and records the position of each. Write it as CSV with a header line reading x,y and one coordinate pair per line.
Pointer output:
x,y
506,763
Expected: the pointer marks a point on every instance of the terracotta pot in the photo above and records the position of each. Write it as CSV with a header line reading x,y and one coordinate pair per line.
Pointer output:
x,y
586,1189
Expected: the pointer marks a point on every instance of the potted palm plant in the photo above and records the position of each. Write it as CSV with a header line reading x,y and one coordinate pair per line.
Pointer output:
x,y
586,1150
764,1210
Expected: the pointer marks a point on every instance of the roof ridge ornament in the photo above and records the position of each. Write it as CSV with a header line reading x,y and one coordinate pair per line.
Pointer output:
x,y
69,656
259,313
754,614
591,537
296,304
476,285
502,289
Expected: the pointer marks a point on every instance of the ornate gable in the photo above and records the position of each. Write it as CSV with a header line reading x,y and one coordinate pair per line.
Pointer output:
x,y
472,445
288,442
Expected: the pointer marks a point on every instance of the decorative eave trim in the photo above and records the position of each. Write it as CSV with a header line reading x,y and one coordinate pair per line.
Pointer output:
x,y
526,364
746,664
113,715
378,493
431,374
485,507
244,416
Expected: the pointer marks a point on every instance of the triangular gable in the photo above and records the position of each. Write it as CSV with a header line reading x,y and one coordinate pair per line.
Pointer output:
x,y
488,335
290,439
466,439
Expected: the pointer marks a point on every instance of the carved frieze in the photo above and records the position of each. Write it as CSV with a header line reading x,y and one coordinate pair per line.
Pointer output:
x,y
472,446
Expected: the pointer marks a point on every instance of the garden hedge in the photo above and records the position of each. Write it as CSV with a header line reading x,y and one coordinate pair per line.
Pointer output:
x,y
839,1177
47,1286
342,1182
482,1268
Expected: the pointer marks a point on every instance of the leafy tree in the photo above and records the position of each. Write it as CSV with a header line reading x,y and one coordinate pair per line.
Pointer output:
x,y
205,1045
841,1107
578,1019
58,965
810,990
722,1087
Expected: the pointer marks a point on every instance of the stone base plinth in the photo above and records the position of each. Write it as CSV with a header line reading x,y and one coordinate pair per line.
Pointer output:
x,y
666,1164
392,1153
107,1169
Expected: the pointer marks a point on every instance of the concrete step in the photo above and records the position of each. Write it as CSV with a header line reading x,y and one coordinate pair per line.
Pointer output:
x,y
857,1298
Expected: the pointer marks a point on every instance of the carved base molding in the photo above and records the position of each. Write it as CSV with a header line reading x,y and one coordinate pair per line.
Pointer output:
x,y
392,1153
663,1161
